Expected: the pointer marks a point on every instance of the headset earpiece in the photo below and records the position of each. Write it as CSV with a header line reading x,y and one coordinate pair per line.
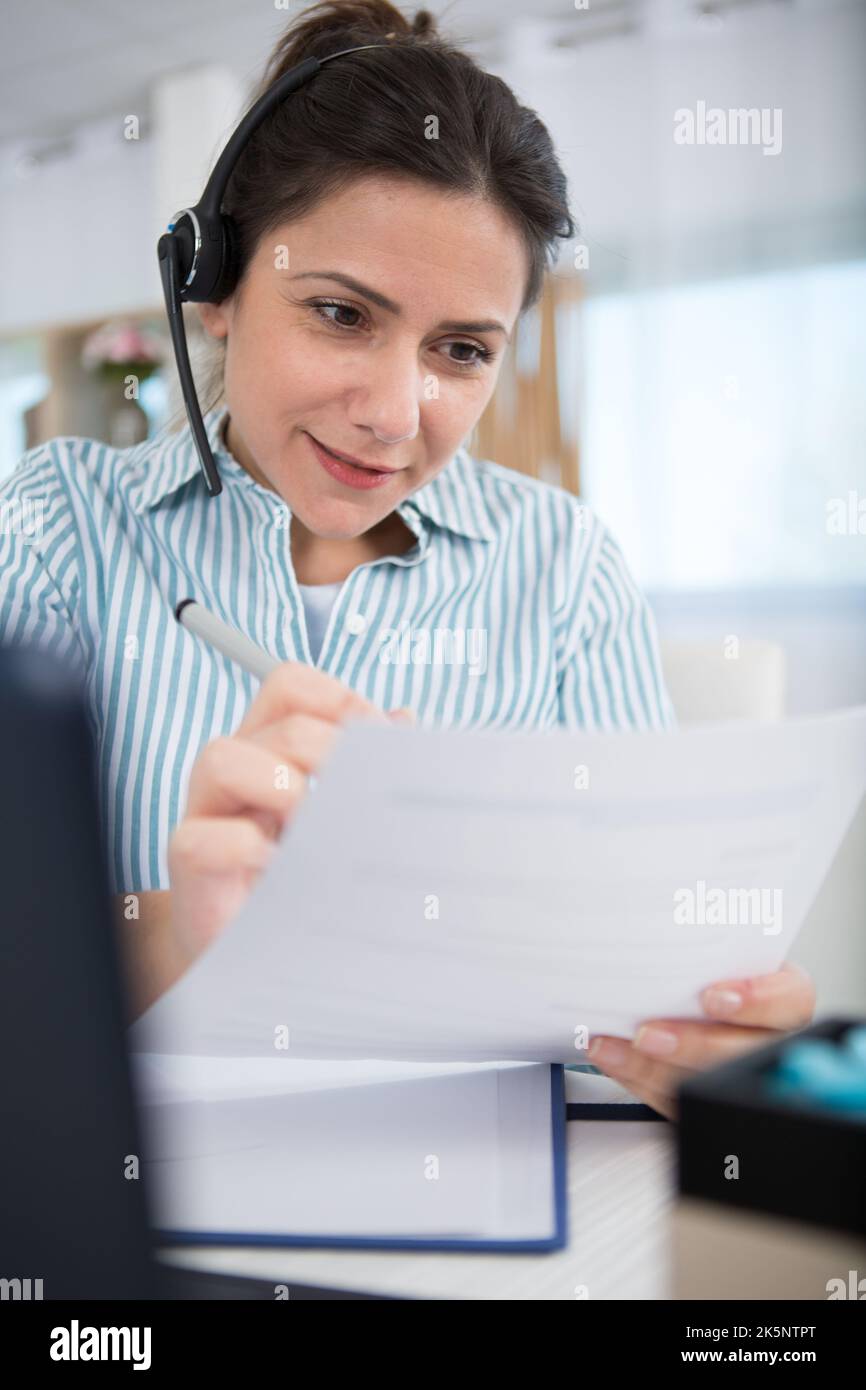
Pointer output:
x,y
200,244
230,260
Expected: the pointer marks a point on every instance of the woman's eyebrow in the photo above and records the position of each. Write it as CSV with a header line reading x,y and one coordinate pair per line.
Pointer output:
x,y
451,326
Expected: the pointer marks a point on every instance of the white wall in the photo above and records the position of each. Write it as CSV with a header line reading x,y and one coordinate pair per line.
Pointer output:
x,y
651,207
78,236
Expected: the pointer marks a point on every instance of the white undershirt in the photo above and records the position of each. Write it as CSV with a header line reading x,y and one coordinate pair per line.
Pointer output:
x,y
318,602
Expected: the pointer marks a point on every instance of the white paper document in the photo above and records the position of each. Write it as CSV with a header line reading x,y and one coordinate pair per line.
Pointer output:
x,y
464,896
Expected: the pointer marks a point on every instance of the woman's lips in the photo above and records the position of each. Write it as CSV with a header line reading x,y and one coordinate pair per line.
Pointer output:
x,y
349,473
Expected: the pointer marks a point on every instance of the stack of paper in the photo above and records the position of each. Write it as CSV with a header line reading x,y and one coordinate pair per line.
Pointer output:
x,y
434,1155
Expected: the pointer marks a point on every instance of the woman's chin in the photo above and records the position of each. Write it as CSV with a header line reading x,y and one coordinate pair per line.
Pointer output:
x,y
331,520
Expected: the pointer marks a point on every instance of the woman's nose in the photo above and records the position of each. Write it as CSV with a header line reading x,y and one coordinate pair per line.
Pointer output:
x,y
385,440
390,403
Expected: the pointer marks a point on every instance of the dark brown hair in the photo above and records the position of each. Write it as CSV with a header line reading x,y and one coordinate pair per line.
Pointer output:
x,y
367,113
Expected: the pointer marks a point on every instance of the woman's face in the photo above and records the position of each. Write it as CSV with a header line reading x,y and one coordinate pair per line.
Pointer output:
x,y
393,375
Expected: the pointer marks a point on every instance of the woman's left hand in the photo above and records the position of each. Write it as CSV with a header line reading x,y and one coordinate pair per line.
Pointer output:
x,y
665,1051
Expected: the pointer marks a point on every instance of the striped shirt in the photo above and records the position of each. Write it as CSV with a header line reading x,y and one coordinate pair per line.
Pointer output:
x,y
513,610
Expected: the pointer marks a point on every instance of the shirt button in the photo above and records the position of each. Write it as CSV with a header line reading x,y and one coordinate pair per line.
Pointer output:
x,y
356,623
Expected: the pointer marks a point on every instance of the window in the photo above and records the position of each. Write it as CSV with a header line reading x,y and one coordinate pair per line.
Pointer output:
x,y
22,384
721,423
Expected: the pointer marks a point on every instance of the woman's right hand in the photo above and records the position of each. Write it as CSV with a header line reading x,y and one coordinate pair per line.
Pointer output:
x,y
243,791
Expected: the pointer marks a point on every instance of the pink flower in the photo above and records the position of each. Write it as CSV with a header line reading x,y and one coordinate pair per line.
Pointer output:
x,y
122,341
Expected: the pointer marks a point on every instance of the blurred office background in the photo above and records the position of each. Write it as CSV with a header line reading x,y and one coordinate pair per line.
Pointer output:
x,y
696,369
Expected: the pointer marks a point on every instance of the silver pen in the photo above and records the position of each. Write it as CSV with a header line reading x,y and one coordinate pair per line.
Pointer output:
x,y
228,640
233,644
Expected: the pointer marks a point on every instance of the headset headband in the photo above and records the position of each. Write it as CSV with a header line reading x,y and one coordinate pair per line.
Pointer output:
x,y
198,253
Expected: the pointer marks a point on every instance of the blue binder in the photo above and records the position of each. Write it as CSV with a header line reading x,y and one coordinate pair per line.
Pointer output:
x,y
556,1241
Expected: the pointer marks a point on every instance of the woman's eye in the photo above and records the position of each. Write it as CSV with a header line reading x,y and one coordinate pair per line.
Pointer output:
x,y
322,304
480,356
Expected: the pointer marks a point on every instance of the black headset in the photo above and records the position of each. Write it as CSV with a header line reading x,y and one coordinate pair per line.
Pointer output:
x,y
198,254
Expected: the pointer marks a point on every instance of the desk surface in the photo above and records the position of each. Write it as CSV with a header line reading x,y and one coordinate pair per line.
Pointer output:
x,y
620,1189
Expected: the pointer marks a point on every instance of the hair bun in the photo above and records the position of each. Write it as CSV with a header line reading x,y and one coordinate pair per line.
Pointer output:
x,y
424,25
330,25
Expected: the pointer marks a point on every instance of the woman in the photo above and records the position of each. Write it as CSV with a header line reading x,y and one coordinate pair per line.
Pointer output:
x,y
395,218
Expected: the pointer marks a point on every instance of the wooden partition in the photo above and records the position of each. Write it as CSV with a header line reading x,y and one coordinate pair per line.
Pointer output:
x,y
522,427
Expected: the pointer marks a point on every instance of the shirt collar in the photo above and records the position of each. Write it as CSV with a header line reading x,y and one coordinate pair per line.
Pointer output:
x,y
453,499
170,459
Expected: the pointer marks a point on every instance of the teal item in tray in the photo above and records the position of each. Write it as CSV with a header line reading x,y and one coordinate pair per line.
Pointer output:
x,y
825,1073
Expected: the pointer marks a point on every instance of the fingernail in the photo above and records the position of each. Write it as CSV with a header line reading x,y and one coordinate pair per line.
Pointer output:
x,y
403,715
721,1003
776,983
611,1052
656,1041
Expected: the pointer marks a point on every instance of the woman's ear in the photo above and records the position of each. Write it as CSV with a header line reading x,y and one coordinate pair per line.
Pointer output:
x,y
215,318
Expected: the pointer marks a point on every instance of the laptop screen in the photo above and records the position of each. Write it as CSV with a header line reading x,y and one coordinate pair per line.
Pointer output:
x,y
73,1210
